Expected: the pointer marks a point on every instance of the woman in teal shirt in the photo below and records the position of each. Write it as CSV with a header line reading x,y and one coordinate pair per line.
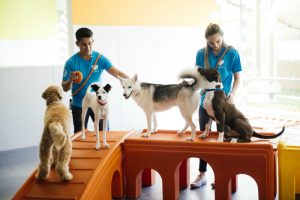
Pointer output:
x,y
226,59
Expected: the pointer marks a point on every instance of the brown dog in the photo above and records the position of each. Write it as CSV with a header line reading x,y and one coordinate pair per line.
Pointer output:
x,y
55,145
226,115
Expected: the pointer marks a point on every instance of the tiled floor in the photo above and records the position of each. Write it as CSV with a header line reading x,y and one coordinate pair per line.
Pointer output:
x,y
15,167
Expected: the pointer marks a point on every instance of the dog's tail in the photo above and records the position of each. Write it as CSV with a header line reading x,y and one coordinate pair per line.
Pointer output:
x,y
59,137
198,82
268,136
89,88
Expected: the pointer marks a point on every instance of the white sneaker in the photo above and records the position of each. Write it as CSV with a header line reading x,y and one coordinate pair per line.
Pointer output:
x,y
200,181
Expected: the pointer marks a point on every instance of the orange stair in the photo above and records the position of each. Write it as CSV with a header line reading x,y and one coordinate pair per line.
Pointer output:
x,y
166,151
96,174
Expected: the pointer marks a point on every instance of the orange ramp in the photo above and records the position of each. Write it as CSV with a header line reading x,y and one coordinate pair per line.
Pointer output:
x,y
96,174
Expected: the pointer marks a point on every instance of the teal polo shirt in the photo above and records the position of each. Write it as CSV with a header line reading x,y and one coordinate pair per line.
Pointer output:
x,y
76,63
229,65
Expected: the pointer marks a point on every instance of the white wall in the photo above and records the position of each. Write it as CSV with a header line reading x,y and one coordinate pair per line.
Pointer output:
x,y
156,54
22,107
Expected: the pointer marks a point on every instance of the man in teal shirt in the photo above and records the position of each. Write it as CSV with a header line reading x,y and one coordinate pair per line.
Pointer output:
x,y
83,61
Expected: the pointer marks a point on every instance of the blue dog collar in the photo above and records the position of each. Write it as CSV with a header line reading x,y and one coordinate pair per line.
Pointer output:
x,y
203,92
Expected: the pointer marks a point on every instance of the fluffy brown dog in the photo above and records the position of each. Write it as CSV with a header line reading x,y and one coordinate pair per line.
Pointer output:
x,y
56,145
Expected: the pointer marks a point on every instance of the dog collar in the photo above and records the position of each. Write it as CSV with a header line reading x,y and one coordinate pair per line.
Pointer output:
x,y
209,90
49,103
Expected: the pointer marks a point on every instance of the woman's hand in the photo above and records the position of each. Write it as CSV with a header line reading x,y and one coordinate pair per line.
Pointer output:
x,y
230,98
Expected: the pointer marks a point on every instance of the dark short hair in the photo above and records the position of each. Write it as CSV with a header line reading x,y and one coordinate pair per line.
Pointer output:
x,y
83,33
212,29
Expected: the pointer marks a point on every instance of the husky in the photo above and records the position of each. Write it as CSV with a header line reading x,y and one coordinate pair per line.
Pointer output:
x,y
226,115
154,98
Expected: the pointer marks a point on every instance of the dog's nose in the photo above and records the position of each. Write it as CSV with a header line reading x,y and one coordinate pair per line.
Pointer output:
x,y
124,95
99,97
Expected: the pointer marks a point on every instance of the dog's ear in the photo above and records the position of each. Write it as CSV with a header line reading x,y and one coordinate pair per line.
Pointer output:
x,y
201,70
216,75
59,94
135,78
44,95
107,88
95,87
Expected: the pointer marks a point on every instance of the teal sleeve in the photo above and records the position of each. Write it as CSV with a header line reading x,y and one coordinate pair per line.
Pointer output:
x,y
104,63
67,71
236,65
200,58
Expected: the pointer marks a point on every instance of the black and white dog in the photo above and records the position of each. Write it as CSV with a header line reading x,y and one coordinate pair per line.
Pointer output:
x,y
154,98
98,102
225,114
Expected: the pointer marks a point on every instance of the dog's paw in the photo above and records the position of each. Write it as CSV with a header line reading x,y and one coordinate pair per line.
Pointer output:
x,y
145,135
203,135
83,137
41,176
189,139
42,172
106,145
220,139
180,132
153,131
233,140
67,177
97,146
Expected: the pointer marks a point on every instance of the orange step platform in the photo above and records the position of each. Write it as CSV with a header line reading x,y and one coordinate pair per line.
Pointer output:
x,y
166,151
96,174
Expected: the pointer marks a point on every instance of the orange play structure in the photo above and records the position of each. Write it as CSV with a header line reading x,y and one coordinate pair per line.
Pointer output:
x,y
165,152
100,174
97,174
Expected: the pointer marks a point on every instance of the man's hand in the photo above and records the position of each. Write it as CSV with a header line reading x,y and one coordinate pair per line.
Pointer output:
x,y
73,76
66,85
